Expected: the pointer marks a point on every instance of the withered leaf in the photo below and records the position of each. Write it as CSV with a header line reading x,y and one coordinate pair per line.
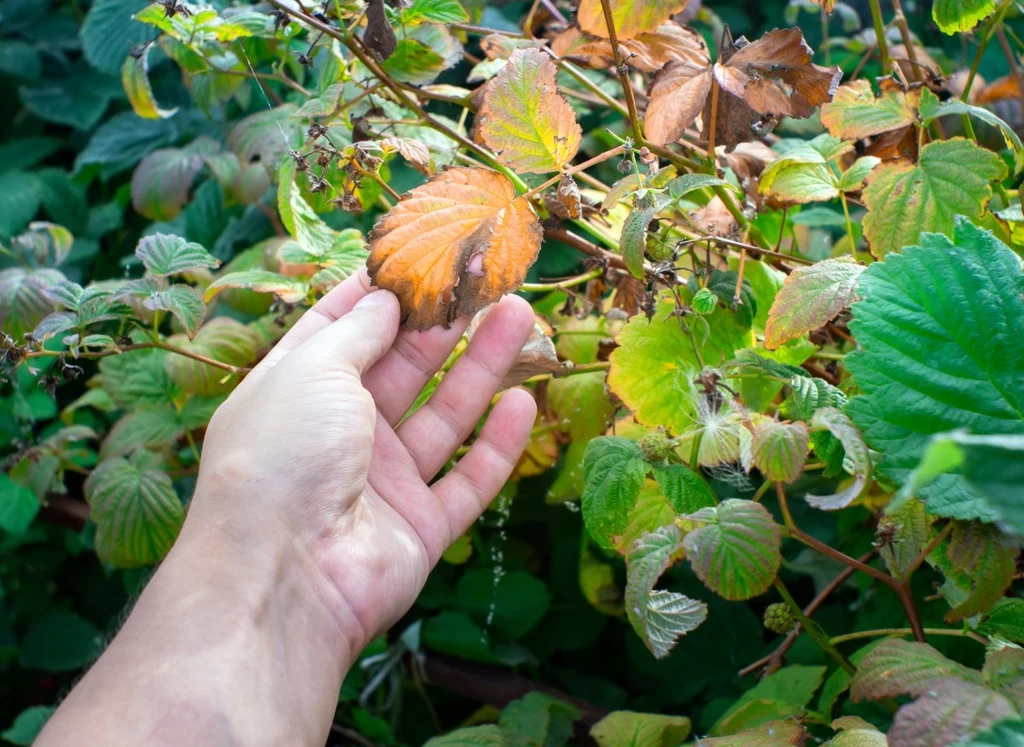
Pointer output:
x,y
648,52
569,196
379,36
760,83
538,355
525,120
454,245
631,17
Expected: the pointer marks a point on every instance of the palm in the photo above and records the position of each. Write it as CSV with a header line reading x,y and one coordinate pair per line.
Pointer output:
x,y
377,524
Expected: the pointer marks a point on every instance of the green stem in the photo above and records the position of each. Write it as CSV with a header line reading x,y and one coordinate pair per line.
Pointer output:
x,y
849,225
897,631
813,629
562,284
876,18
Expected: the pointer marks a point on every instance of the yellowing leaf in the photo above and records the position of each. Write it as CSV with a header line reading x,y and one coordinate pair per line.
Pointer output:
x,y
525,120
810,298
649,51
631,17
855,113
780,450
135,79
454,245
905,201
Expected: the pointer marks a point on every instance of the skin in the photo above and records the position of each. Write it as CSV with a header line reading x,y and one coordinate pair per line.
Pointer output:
x,y
313,527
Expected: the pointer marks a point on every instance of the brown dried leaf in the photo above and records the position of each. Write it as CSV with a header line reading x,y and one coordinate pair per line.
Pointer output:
x,y
453,245
525,120
631,17
413,151
569,196
501,46
677,95
538,355
1000,89
379,36
648,52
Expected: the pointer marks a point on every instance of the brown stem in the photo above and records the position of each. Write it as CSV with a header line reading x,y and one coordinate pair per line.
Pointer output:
x,y
569,172
1011,59
272,217
908,42
749,247
902,589
923,555
623,72
587,247
142,346
713,124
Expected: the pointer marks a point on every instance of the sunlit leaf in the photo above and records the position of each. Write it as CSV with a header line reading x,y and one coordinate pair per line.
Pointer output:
x,y
454,245
23,301
289,290
135,79
632,729
780,450
961,15
631,17
811,297
165,254
222,339
857,456
525,120
856,113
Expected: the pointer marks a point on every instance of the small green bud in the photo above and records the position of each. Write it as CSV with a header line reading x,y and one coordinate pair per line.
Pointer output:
x,y
655,447
704,301
778,618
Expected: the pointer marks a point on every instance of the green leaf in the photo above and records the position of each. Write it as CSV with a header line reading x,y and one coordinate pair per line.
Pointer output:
x,y
1004,734
949,711
651,511
488,735
545,721
162,182
258,138
165,254
20,59
422,54
123,140
653,368
433,11
857,455
313,235
155,427
897,667
658,617
514,604
938,351
854,177
77,100
988,558
810,298
289,290
184,302
632,729
906,530
802,174
1005,620
135,79
23,301
779,450
683,185
60,642
735,550
138,379
109,31
18,506
222,339
684,489
27,725
614,472
785,692
951,178
780,733
20,199
961,15
931,108
136,511
455,633
44,243
580,399
633,239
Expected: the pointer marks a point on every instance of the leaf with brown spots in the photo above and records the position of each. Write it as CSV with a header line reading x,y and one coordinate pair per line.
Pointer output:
x,y
648,52
856,113
631,17
454,245
525,120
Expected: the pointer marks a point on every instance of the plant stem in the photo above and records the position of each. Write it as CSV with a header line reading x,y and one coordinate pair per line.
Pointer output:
x,y
813,629
581,77
581,368
994,22
876,18
569,172
142,346
623,72
1011,59
562,284
849,225
908,41
923,555
901,588
900,632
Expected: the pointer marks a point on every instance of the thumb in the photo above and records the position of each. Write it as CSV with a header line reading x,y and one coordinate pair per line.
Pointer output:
x,y
362,336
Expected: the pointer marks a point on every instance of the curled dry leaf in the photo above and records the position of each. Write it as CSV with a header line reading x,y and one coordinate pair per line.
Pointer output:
x,y
379,36
631,17
760,83
648,52
454,245
538,355
525,120
569,196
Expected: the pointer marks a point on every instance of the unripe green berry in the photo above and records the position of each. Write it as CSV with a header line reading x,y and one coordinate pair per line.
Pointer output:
x,y
704,301
778,618
655,447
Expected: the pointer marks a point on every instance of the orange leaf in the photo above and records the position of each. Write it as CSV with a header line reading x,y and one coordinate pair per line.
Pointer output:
x,y
631,17
525,120
648,52
678,95
453,245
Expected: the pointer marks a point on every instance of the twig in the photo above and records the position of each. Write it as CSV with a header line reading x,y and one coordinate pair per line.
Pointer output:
x,y
908,42
569,172
623,72
812,628
142,346
883,48
587,247
901,632
562,284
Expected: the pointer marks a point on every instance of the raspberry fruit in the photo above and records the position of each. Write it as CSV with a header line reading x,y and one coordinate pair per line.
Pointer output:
x,y
655,447
778,618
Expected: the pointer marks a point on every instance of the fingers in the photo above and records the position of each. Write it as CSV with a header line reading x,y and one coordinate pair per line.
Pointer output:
x,y
437,429
472,484
362,336
397,378
338,302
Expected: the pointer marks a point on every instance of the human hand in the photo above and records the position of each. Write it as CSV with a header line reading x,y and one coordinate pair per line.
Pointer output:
x,y
307,458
